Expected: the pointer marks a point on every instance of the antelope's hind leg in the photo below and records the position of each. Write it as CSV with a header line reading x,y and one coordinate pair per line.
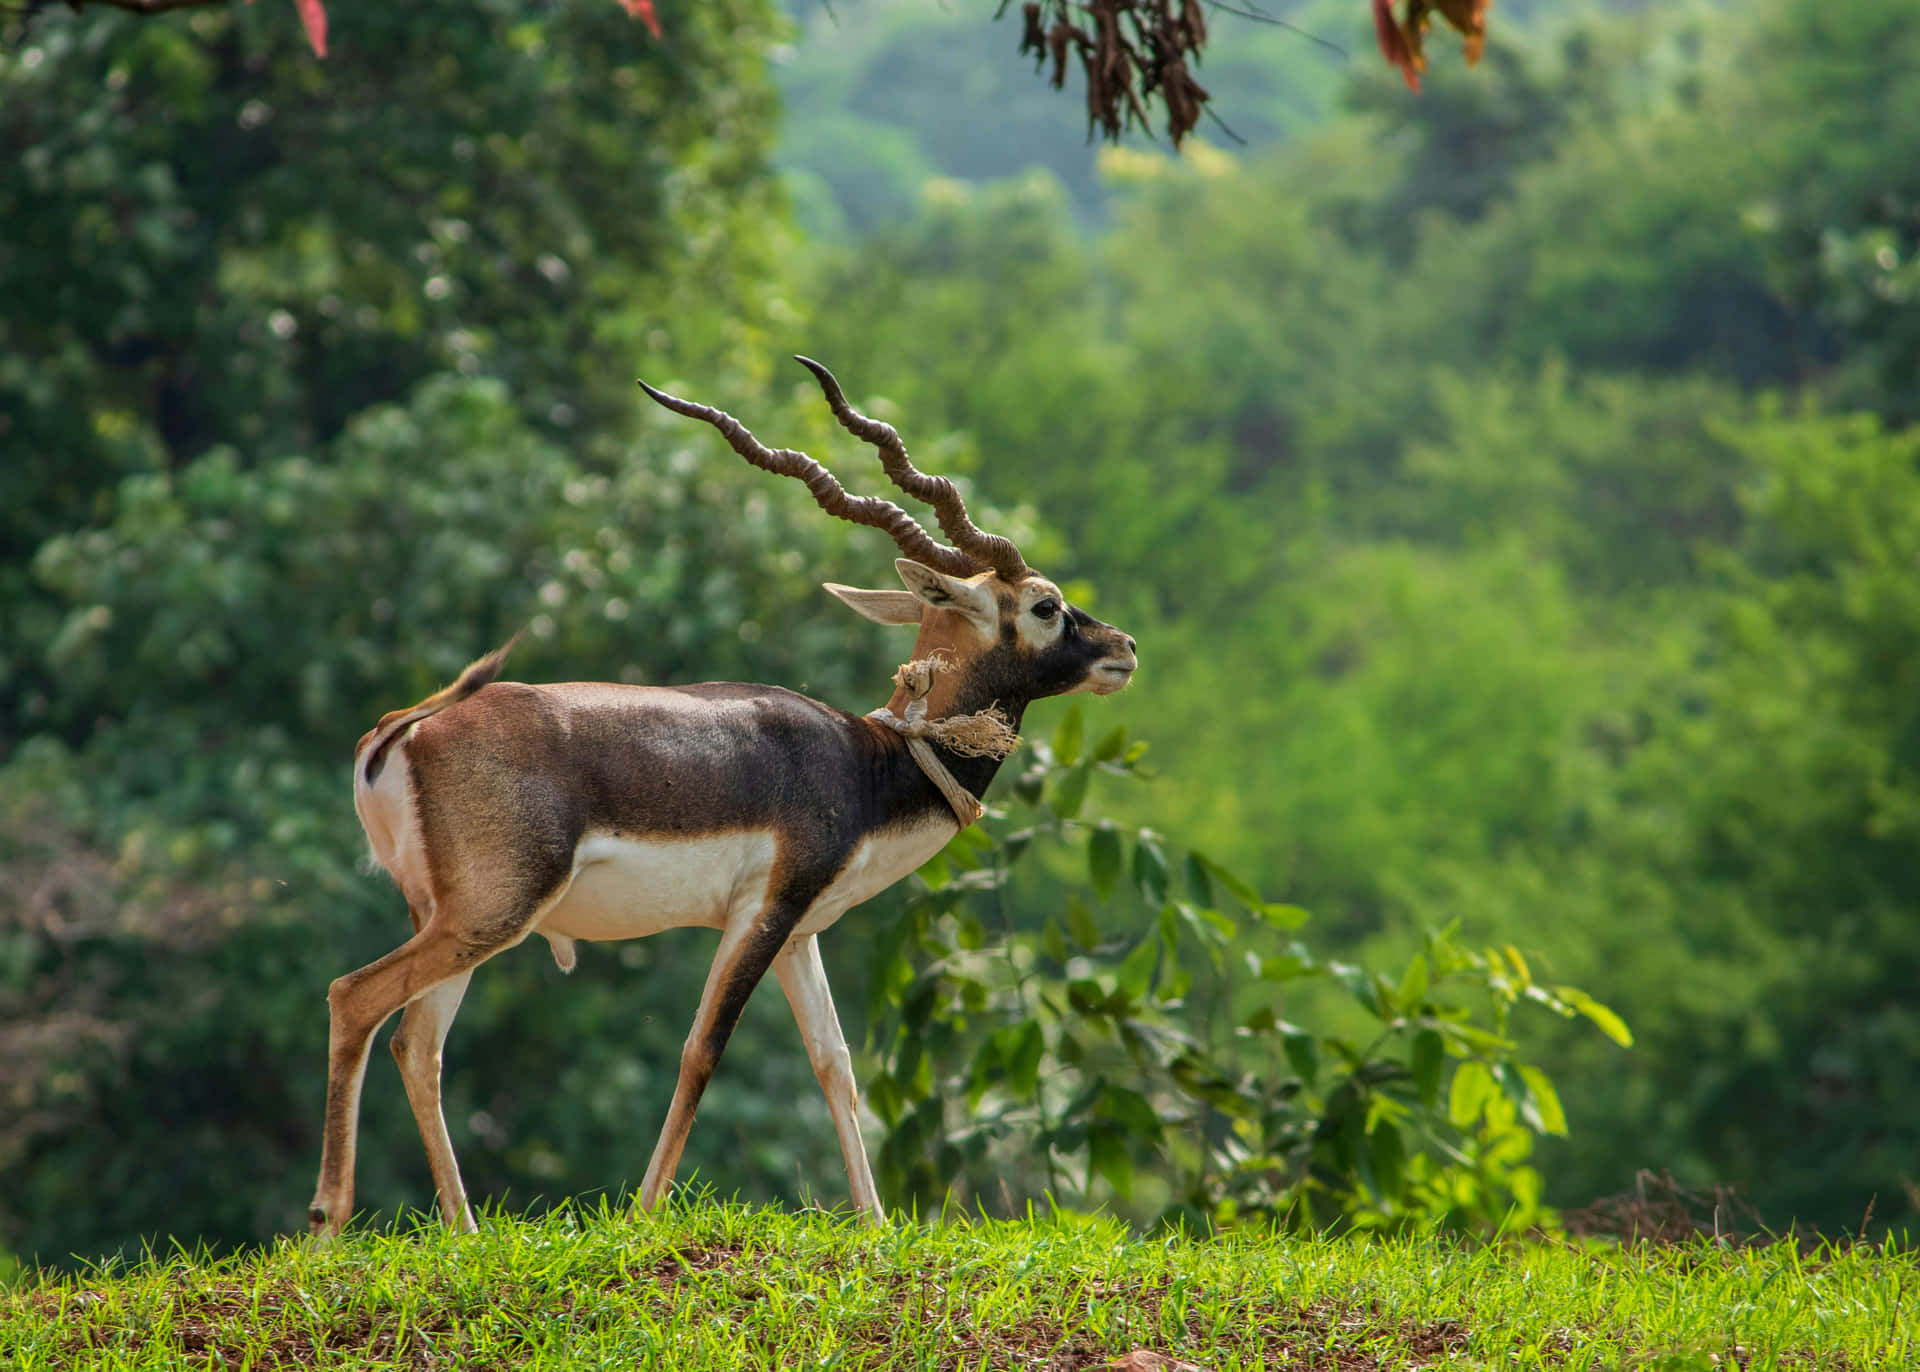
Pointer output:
x,y
417,1046
358,1004
446,950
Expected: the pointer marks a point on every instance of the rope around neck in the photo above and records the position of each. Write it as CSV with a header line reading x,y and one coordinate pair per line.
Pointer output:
x,y
987,734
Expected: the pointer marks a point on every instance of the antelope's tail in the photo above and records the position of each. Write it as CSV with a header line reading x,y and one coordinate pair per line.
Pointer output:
x,y
371,754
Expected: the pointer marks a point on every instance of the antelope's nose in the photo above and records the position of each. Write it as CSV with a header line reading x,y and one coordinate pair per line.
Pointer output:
x,y
1132,647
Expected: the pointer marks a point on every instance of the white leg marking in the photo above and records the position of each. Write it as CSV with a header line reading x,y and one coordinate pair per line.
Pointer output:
x,y
804,978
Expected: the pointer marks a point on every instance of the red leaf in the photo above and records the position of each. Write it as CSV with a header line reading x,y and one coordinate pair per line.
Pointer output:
x,y
313,16
1394,45
643,11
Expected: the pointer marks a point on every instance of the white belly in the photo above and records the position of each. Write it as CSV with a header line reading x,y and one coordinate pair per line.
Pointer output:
x,y
629,888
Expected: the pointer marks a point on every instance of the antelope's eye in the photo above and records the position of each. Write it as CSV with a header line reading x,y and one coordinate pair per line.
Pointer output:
x,y
1046,609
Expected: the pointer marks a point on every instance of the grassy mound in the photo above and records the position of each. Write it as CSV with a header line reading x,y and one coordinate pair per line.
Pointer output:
x,y
706,1286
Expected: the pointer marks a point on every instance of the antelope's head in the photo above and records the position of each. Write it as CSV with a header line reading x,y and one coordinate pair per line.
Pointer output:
x,y
1006,634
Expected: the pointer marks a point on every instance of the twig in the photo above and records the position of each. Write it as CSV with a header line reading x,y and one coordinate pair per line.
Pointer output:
x,y
1259,16
1225,127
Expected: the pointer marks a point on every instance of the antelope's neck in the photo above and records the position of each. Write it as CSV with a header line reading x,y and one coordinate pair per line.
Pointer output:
x,y
974,773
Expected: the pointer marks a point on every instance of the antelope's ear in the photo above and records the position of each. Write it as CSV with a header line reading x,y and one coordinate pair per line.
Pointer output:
x,y
882,607
944,592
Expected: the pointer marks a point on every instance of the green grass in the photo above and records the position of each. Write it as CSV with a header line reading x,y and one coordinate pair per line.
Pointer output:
x,y
703,1285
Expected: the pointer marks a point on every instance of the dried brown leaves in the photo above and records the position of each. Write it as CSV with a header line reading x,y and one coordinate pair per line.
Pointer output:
x,y
1131,51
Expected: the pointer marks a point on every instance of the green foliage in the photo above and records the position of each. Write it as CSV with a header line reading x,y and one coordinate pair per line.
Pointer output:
x,y
1151,1062
461,188
1795,899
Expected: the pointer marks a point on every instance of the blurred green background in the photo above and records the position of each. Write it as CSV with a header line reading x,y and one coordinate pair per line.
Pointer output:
x,y
1513,489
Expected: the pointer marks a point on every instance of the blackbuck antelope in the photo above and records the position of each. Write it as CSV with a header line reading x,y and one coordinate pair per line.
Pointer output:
x,y
593,811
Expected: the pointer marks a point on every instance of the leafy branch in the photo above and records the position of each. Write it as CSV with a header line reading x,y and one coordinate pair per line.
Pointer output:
x,y
1068,1051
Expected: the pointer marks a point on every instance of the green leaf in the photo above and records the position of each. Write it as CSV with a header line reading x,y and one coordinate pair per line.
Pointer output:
x,y
1553,1118
1210,928
1086,997
985,1059
1175,982
1023,1059
1107,1157
935,871
1283,917
1240,890
1199,884
1429,1054
1070,792
1472,1086
1168,923
1135,973
1389,1160
884,1099
1520,969
1364,988
1150,870
1285,967
1472,1039
1413,986
1514,1087
1066,738
1080,922
1132,1112
1103,858
1609,1023
1052,944
1303,1055
1111,744
972,839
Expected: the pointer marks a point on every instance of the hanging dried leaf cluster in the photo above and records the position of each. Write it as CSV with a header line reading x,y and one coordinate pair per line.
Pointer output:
x,y
1132,51
1401,35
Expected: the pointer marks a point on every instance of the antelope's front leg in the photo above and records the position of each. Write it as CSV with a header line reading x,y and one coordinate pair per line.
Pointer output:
x,y
803,976
747,948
